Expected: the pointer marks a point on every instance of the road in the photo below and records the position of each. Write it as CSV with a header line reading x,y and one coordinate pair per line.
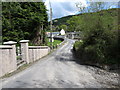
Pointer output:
x,y
59,70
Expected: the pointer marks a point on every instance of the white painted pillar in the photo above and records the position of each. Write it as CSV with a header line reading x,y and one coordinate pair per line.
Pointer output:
x,y
24,51
13,55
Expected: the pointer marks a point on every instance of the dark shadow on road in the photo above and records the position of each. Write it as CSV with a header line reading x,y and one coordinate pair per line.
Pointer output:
x,y
65,57
71,57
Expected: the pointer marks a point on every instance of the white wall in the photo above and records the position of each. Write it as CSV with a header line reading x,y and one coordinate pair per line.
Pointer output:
x,y
7,60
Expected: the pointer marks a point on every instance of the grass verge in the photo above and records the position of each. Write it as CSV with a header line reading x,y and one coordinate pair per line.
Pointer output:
x,y
54,43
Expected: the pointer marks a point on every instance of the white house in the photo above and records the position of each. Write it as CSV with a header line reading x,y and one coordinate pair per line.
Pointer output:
x,y
62,32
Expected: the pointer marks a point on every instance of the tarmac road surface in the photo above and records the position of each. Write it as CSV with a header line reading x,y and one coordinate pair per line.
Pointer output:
x,y
59,70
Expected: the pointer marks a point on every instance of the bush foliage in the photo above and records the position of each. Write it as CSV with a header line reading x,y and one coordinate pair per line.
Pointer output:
x,y
101,38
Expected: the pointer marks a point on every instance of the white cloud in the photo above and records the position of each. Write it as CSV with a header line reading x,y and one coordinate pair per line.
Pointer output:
x,y
62,8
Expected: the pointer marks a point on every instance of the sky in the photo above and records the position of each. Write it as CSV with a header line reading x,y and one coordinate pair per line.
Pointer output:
x,y
61,8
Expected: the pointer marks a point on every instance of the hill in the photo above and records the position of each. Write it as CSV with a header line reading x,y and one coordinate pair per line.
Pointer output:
x,y
61,21
100,44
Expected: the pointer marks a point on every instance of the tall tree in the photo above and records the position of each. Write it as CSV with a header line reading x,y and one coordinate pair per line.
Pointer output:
x,y
24,20
101,38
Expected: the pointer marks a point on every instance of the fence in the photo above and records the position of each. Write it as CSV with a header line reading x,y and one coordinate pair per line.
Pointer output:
x,y
11,57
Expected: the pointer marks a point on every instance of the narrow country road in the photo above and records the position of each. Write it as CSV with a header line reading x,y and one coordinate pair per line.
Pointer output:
x,y
59,70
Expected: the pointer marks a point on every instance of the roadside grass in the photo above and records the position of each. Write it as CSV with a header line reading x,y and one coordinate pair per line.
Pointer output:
x,y
53,43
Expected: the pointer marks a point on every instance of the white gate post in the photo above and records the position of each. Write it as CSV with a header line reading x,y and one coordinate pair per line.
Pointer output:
x,y
24,50
13,53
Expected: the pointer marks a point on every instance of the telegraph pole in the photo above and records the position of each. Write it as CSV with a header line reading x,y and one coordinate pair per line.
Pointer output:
x,y
50,24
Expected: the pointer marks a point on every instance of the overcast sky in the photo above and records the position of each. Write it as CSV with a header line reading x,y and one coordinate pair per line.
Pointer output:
x,y
61,8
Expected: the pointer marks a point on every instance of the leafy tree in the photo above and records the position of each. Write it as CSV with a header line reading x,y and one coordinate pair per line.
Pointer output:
x,y
100,44
24,20
63,27
74,24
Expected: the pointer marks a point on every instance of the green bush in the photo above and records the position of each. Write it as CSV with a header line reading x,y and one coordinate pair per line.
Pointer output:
x,y
100,43
102,49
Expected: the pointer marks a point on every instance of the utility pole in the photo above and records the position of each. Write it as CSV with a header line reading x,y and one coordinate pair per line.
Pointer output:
x,y
50,23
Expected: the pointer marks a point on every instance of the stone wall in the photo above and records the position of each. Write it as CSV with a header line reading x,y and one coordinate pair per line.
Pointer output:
x,y
8,57
32,53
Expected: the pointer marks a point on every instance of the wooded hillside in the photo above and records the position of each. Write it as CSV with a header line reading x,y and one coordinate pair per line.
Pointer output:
x,y
75,22
99,43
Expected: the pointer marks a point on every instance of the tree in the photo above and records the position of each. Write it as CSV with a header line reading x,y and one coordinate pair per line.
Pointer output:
x,y
24,20
101,38
63,27
74,24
